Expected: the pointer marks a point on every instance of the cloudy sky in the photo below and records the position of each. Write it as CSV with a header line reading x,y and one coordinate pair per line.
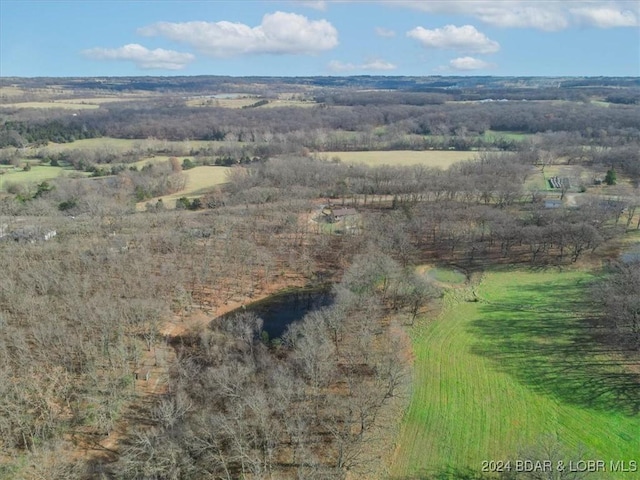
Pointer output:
x,y
315,37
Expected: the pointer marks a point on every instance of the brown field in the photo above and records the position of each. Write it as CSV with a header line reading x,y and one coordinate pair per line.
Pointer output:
x,y
245,102
289,103
63,104
150,161
124,145
10,91
101,100
61,98
428,158
222,102
199,181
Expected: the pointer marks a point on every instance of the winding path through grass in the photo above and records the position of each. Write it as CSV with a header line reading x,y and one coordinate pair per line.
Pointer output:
x,y
497,375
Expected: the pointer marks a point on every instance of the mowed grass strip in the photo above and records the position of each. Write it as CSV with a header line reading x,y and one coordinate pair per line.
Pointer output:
x,y
428,158
495,376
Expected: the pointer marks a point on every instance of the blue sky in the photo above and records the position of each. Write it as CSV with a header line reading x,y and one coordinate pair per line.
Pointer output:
x,y
315,37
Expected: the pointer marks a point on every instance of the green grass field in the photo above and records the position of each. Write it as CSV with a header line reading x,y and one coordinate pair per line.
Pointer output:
x,y
428,158
445,275
37,174
495,376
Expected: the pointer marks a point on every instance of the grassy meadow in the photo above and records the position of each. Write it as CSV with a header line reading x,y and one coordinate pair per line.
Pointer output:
x,y
428,158
37,174
62,104
246,101
221,102
200,180
495,376
125,144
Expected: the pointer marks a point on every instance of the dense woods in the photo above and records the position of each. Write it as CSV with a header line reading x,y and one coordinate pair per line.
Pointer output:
x,y
380,125
98,298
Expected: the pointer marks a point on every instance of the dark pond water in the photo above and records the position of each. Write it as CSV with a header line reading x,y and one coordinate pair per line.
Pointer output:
x,y
281,309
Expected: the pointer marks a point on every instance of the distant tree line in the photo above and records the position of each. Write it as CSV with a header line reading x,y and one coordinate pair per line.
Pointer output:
x,y
360,125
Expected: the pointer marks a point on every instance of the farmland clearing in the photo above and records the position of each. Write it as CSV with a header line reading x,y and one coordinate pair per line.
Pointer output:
x,y
248,101
125,144
37,174
199,180
428,158
497,375
62,104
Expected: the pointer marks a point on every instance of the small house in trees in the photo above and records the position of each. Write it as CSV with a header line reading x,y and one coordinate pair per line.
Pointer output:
x,y
336,214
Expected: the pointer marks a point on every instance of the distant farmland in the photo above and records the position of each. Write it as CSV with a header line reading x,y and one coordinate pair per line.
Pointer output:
x,y
428,158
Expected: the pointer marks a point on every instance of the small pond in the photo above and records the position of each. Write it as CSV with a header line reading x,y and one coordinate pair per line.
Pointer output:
x,y
281,309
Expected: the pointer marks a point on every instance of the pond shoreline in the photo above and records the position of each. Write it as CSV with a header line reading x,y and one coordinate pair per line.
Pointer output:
x,y
286,306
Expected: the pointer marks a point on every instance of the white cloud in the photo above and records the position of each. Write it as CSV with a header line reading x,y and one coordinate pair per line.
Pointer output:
x,y
469,63
143,57
315,4
371,65
606,17
464,39
550,15
279,33
385,32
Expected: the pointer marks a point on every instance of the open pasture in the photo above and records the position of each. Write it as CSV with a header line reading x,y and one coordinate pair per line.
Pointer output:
x,y
497,375
235,102
150,161
429,158
37,174
244,102
61,104
118,144
142,145
111,99
199,181
10,91
282,102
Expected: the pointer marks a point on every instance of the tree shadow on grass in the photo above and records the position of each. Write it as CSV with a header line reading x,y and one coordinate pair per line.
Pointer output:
x,y
541,334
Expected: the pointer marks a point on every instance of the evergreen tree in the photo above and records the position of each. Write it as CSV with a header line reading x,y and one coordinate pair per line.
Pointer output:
x,y
611,177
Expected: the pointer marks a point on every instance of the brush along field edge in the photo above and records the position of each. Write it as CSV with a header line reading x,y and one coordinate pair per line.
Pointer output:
x,y
495,376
